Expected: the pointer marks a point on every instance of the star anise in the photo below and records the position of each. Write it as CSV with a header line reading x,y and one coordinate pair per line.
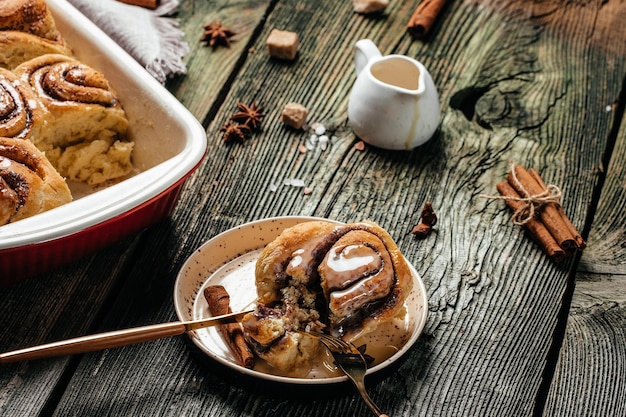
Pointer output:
x,y
215,34
233,131
249,116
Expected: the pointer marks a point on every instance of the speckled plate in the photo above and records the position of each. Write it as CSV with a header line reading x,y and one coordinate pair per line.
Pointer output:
x,y
229,259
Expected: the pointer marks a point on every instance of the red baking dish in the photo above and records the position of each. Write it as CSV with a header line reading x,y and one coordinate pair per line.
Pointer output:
x,y
169,145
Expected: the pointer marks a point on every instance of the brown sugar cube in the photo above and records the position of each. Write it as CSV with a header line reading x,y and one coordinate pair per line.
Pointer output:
x,y
294,115
282,44
369,6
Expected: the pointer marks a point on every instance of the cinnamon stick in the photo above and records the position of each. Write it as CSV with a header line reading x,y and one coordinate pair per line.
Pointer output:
x,y
424,17
219,303
580,242
428,219
549,214
534,226
148,4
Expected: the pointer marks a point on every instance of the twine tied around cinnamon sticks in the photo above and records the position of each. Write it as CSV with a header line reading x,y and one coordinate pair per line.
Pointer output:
x,y
536,207
531,203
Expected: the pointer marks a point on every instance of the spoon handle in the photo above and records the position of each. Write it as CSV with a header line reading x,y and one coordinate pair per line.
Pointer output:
x,y
95,342
117,338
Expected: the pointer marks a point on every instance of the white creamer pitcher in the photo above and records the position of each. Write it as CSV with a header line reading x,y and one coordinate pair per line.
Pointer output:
x,y
394,103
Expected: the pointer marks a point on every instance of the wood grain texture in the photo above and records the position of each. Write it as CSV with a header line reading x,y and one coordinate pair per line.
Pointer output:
x,y
528,82
592,361
63,304
209,69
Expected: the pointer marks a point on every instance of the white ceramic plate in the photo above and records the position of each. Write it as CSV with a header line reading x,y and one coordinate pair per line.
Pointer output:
x,y
229,259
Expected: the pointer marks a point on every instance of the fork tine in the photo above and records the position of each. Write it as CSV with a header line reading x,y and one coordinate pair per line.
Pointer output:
x,y
337,343
334,344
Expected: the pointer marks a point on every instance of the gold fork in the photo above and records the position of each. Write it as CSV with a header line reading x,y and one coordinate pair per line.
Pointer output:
x,y
348,358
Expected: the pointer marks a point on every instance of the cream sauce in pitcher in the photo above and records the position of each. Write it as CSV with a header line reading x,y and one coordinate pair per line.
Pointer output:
x,y
394,103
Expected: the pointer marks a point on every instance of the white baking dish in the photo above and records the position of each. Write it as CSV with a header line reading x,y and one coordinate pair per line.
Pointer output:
x,y
169,145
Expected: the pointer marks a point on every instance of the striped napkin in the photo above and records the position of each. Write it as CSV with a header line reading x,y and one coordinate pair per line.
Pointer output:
x,y
152,37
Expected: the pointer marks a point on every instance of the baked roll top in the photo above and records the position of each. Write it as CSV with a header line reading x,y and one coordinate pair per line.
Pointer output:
x,y
80,99
364,277
31,16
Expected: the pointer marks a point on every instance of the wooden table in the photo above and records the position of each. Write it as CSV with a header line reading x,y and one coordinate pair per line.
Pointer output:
x,y
509,332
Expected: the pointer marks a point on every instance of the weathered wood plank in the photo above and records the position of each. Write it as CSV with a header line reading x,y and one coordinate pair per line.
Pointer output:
x,y
590,374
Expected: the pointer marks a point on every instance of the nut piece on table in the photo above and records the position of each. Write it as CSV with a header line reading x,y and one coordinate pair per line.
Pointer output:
x,y
282,44
369,6
294,115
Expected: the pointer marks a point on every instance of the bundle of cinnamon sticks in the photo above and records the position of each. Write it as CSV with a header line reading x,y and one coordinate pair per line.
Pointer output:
x,y
542,216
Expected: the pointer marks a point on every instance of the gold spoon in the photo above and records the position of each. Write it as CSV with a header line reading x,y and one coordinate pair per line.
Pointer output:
x,y
116,338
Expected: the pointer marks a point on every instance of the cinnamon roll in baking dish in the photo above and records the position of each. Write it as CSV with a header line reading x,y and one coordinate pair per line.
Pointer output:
x,y
85,135
322,277
21,113
28,183
30,16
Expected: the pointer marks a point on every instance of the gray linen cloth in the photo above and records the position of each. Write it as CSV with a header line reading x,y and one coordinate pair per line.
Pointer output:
x,y
151,37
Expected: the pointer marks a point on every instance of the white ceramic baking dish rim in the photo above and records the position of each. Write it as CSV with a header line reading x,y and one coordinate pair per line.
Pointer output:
x,y
124,196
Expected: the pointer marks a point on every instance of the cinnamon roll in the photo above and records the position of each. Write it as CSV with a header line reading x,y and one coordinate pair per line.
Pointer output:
x,y
29,184
30,16
85,138
321,277
21,113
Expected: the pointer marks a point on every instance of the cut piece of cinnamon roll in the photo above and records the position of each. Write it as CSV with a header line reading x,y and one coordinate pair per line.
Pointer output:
x,y
85,138
322,277
29,184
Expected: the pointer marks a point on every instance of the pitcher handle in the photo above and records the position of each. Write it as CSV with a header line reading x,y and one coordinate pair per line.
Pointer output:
x,y
364,51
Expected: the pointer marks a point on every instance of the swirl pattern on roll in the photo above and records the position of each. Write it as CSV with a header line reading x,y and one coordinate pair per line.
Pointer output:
x,y
362,274
28,183
360,279
72,81
21,113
